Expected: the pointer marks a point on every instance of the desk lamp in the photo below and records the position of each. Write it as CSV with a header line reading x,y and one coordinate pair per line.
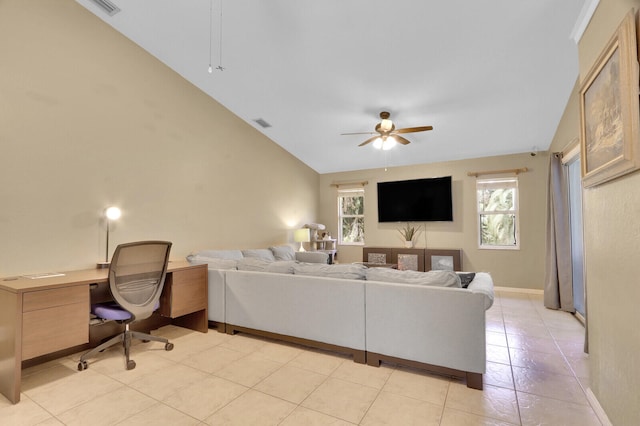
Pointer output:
x,y
302,235
111,213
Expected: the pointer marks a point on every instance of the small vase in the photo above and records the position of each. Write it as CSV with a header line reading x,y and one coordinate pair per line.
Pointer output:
x,y
408,244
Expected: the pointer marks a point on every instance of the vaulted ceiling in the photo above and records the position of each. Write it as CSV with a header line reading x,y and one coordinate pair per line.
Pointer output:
x,y
492,77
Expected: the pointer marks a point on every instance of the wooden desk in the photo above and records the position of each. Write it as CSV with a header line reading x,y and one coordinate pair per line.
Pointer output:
x,y
45,315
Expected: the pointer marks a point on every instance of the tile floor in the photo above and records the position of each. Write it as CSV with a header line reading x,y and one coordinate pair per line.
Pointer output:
x,y
536,374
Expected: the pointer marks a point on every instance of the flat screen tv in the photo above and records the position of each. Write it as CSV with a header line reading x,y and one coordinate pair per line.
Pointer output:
x,y
417,200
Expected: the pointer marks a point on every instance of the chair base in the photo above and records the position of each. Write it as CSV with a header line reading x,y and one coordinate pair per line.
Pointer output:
x,y
124,338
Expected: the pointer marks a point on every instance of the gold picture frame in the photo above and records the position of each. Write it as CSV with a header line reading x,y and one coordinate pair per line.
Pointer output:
x,y
609,109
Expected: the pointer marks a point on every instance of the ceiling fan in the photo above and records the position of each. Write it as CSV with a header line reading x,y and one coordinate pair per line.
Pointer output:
x,y
386,135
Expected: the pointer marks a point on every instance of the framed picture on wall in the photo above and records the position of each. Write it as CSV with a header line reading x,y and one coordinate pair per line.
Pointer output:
x,y
609,111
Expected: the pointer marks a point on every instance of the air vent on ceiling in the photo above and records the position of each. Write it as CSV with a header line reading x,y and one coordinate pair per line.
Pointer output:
x,y
107,6
262,123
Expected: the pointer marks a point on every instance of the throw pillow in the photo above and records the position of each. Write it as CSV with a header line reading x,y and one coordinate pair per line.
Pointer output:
x,y
283,252
466,278
264,254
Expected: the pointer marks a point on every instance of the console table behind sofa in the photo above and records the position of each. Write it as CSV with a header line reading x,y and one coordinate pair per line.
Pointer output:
x,y
424,260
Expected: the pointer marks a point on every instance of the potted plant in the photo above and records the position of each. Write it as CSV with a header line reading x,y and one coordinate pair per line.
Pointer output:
x,y
408,233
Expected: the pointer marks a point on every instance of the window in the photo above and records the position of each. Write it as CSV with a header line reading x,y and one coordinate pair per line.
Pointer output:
x,y
351,216
498,226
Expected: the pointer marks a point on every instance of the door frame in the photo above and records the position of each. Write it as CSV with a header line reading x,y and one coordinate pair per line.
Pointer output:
x,y
569,155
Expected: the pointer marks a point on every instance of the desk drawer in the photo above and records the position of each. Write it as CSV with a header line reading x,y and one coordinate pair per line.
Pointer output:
x,y
56,328
54,319
185,292
35,300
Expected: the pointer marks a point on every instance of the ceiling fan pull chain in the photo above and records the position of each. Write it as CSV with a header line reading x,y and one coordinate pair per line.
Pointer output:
x,y
210,33
220,67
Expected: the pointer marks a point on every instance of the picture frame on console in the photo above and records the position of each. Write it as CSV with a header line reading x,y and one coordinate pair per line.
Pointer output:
x,y
442,260
609,110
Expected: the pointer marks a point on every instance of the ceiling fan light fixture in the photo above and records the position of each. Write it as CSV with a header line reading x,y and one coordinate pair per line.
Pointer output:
x,y
377,144
386,125
388,143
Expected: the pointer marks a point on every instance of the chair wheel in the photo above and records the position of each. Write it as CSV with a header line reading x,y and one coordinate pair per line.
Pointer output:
x,y
131,364
82,365
168,346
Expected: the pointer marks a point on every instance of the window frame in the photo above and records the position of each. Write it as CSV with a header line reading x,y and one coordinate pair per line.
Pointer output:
x,y
343,193
509,182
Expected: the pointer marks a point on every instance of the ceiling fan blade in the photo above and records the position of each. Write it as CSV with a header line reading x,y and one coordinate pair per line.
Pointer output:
x,y
401,140
359,133
414,129
369,140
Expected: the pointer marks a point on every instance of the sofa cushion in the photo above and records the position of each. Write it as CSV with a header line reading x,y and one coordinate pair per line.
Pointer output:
x,y
283,252
261,265
281,266
312,257
264,254
435,278
346,271
216,259
218,254
483,283
253,264
214,263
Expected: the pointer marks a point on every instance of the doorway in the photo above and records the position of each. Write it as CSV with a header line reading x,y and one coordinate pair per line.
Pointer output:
x,y
572,162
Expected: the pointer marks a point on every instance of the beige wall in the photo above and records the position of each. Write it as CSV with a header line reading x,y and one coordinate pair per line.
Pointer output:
x,y
88,119
513,268
612,232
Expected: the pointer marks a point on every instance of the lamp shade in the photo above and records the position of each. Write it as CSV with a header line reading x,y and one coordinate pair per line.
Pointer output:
x,y
302,235
113,213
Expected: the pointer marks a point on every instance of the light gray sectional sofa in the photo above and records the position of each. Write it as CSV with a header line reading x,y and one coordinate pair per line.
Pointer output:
x,y
420,319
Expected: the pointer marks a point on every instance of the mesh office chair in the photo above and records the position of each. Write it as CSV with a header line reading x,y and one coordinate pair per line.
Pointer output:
x,y
136,279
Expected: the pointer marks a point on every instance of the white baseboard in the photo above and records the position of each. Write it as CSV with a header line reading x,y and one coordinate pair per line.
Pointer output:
x,y
520,290
597,408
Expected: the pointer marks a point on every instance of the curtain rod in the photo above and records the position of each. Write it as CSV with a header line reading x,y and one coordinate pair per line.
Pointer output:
x,y
338,185
498,172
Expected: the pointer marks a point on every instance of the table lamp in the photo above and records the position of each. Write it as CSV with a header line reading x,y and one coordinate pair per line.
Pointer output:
x,y
302,235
